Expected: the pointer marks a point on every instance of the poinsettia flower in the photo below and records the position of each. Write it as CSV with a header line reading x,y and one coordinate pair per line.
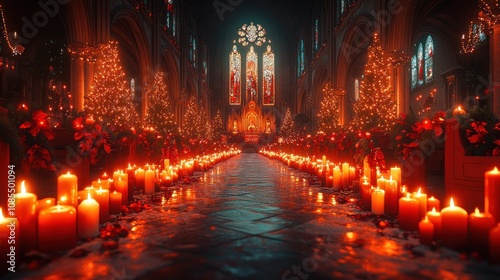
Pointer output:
x,y
39,157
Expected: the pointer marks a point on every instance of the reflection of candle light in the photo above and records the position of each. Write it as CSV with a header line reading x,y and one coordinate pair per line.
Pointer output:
x,y
320,197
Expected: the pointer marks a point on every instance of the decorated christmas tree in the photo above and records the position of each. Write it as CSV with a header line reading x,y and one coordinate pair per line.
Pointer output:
x,y
190,123
203,124
160,115
375,109
109,100
217,126
287,130
328,116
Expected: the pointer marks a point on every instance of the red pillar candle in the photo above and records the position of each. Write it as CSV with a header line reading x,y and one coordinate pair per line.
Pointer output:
x,y
435,218
378,201
67,190
121,186
396,175
366,195
26,215
480,225
102,197
57,228
337,179
494,244
454,227
426,231
422,202
149,181
345,174
408,213
115,202
45,203
88,218
139,178
433,202
492,193
391,197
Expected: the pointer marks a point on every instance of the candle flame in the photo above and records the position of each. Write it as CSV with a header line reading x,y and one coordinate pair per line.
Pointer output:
x,y
408,195
495,170
48,201
432,198
419,189
63,199
452,204
99,181
476,211
1,214
426,219
459,107
433,209
114,192
69,173
89,197
129,166
23,187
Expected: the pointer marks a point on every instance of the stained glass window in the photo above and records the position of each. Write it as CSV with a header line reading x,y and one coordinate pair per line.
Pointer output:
x,y
316,34
234,77
356,89
301,58
251,77
252,34
429,59
192,50
420,64
204,71
413,72
342,6
268,76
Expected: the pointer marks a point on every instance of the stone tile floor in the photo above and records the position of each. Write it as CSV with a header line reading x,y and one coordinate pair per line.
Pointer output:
x,y
254,218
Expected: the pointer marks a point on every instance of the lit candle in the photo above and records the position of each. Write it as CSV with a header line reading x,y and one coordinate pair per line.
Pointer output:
x,y
433,202
336,178
352,174
408,213
329,182
104,176
122,187
57,228
422,203
26,216
115,202
366,195
67,190
45,203
381,183
458,111
492,193
166,164
454,227
139,178
494,245
435,218
391,197
345,174
324,160
480,225
378,201
88,218
396,175
426,231
8,227
149,181
102,197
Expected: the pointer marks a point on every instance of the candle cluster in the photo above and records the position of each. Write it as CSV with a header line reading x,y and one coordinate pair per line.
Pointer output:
x,y
332,175
56,224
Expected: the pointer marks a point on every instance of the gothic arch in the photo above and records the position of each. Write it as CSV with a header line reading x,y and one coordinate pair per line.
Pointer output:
x,y
134,50
170,66
77,22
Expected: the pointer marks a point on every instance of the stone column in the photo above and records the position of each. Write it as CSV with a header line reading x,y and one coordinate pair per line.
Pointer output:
x,y
82,70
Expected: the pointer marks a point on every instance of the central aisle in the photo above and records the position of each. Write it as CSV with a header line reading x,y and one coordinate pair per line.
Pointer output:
x,y
253,218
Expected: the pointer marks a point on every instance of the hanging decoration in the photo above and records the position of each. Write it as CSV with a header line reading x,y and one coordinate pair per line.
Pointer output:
x,y
16,49
475,37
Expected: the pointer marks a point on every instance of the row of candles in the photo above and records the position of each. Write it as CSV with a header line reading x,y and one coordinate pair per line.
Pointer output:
x,y
52,225
452,225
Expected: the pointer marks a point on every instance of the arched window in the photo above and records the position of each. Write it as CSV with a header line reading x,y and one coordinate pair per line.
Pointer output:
x,y
132,87
204,70
420,64
252,66
342,6
300,58
316,34
413,72
429,59
170,16
268,76
356,89
234,77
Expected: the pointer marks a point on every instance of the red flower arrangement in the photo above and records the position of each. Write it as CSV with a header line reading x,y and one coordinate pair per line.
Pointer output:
x,y
36,132
92,138
411,133
366,148
482,134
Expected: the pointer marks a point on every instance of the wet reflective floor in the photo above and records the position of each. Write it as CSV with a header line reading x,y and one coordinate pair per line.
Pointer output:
x,y
254,218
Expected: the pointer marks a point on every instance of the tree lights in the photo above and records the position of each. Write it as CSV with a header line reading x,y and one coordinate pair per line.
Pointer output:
x,y
328,116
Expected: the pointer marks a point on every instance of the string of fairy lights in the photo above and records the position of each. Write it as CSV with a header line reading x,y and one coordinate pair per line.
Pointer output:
x,y
16,49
